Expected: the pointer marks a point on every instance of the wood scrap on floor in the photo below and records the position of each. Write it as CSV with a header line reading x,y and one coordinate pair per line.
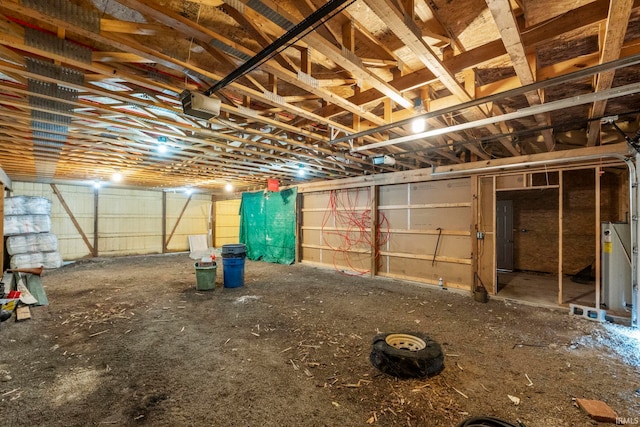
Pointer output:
x,y
23,313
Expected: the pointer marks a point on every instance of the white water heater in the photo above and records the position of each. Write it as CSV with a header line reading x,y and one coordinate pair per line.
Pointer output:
x,y
617,286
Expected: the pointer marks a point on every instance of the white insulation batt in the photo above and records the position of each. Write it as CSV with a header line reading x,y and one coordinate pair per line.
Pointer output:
x,y
29,243
26,224
24,205
35,260
27,229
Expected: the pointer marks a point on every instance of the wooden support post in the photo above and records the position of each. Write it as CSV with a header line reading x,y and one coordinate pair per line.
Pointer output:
x,y
470,82
175,226
598,243
560,232
96,199
475,245
374,230
409,7
164,222
212,222
494,280
73,219
298,254
305,60
273,83
348,36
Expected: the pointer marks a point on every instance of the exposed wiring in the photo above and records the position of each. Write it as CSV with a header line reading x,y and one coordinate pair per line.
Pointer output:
x,y
350,231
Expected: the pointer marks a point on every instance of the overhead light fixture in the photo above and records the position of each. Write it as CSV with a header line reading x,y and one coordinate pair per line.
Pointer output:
x,y
188,191
162,148
418,125
116,177
384,160
228,188
301,171
97,184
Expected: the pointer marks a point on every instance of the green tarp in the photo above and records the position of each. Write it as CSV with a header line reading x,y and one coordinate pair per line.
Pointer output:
x,y
268,225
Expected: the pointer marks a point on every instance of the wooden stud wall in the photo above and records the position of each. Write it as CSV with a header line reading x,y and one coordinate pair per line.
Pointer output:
x,y
411,218
429,232
125,222
336,229
486,225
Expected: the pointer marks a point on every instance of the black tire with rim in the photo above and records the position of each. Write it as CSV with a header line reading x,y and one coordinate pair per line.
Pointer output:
x,y
407,355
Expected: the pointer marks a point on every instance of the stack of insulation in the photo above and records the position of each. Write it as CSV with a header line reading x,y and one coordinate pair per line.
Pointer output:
x,y
27,228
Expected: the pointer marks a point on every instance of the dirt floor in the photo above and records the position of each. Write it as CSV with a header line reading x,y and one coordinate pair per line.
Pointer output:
x,y
130,341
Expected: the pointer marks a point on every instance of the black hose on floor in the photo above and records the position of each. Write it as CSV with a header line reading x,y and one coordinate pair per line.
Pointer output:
x,y
488,422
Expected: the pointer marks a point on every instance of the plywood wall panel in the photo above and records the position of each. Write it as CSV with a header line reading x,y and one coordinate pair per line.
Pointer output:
x,y
456,275
227,222
511,181
393,195
312,236
315,218
447,191
316,200
348,262
311,254
458,218
396,218
453,246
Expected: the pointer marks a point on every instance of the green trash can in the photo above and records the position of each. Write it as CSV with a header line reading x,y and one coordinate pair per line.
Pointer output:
x,y
205,277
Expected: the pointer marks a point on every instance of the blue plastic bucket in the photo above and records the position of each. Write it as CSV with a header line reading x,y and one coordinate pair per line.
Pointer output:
x,y
233,272
235,250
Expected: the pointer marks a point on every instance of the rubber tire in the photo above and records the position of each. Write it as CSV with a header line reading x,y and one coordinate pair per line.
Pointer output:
x,y
487,422
402,363
5,315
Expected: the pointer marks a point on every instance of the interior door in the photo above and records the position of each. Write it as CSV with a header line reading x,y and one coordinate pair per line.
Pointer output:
x,y
504,235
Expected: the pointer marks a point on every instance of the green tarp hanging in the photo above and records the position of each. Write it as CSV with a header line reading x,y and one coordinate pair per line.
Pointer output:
x,y
268,225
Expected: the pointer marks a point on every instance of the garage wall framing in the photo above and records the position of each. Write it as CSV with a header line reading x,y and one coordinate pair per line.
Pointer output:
x,y
428,224
121,221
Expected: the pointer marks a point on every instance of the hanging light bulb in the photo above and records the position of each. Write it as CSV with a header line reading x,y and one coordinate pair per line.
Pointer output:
x,y
228,187
188,191
162,149
97,184
301,171
418,125
116,177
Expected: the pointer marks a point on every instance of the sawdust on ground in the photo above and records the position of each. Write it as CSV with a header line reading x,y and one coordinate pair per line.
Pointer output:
x,y
130,341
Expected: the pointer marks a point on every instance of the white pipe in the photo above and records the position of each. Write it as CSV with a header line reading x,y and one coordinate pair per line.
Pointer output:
x,y
635,278
523,112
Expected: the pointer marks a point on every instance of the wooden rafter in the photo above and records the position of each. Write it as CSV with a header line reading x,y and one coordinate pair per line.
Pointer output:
x,y
615,30
508,27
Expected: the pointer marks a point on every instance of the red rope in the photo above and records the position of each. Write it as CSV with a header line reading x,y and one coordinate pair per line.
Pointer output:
x,y
351,223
